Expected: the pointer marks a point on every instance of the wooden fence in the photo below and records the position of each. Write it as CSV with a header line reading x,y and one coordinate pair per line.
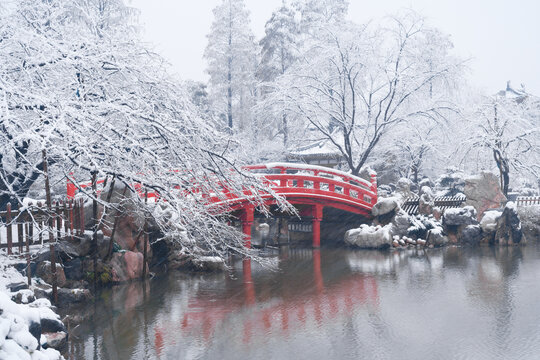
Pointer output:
x,y
527,201
30,225
410,205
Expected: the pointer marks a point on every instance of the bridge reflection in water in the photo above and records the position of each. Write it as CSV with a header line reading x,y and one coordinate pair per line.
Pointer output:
x,y
267,311
471,303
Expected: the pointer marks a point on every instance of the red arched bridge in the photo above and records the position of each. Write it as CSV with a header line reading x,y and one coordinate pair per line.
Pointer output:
x,y
313,187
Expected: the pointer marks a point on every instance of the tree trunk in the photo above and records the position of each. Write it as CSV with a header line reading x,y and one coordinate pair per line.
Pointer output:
x,y
504,171
51,226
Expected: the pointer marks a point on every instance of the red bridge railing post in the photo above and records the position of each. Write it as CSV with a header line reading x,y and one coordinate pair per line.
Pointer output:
x,y
317,218
247,218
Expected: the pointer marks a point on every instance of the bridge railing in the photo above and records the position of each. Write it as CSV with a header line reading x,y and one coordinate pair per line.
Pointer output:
x,y
308,181
285,179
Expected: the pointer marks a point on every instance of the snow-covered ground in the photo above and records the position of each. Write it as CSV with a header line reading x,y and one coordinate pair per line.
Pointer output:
x,y
16,341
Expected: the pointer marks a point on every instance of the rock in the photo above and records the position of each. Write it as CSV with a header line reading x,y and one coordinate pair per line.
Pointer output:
x,y
370,237
421,242
437,237
129,222
401,223
57,340
395,243
23,296
49,325
437,213
420,225
35,329
73,296
126,266
44,271
73,269
530,221
509,230
489,220
484,192
385,206
410,241
43,292
470,234
65,250
426,201
460,216
14,287
489,226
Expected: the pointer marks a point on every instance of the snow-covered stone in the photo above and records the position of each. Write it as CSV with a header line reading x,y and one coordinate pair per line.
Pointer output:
x,y
489,220
370,237
437,237
385,206
16,338
530,221
484,192
509,230
470,234
460,216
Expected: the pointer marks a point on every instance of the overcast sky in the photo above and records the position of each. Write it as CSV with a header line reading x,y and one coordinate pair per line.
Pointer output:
x,y
501,36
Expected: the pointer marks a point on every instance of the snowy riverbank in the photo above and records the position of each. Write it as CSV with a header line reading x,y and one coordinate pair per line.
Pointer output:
x,y
29,327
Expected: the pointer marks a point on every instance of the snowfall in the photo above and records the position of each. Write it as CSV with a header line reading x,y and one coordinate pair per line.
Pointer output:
x,y
16,341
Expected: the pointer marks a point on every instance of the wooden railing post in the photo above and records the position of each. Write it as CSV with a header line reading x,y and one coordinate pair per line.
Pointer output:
x,y
58,222
31,225
39,218
9,230
81,215
20,231
28,270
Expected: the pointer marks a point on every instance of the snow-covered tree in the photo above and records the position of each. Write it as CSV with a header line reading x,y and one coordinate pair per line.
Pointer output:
x,y
231,54
279,50
77,84
355,83
279,46
316,14
506,128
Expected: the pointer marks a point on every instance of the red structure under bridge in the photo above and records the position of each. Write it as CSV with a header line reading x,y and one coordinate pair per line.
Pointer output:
x,y
311,189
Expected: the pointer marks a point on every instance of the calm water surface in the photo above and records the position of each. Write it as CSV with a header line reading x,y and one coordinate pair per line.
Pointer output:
x,y
451,303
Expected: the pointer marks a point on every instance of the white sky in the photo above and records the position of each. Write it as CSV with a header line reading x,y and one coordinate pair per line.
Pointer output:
x,y
501,36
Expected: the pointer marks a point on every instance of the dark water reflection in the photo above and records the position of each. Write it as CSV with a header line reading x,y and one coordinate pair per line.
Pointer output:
x,y
452,303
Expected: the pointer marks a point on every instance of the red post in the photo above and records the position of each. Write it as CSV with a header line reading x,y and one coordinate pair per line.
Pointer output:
x,y
71,189
317,272
249,288
317,218
247,218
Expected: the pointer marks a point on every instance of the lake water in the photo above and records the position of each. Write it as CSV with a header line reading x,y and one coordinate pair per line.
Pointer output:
x,y
450,303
